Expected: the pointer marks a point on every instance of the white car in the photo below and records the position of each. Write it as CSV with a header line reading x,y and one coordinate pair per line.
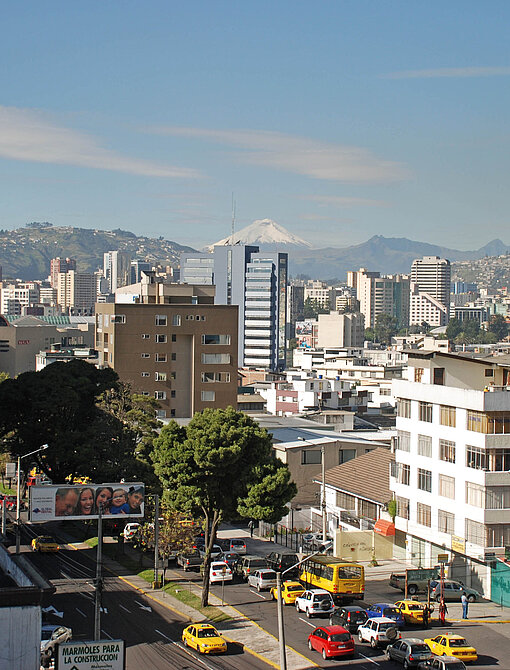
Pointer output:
x,y
379,632
315,601
216,550
220,572
262,579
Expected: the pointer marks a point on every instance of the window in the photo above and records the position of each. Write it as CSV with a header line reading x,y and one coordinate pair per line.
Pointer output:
x,y
145,355
403,440
439,376
215,359
499,460
190,317
173,375
173,356
425,446
475,494
404,408
146,336
368,509
145,393
475,532
401,472
447,416
477,421
160,320
445,522
118,318
447,451
423,514
174,337
208,396
424,480
345,455
215,339
476,458
425,411
311,456
447,486
161,413
498,497
402,507
221,377
161,339
418,374
176,320
160,395
489,372
385,391
172,394
146,374
345,501
160,358
160,376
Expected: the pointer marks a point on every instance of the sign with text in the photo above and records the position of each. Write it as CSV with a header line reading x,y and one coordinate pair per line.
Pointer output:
x,y
10,470
99,655
83,501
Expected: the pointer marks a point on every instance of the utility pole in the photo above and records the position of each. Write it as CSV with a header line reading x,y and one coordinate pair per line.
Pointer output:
x,y
99,576
281,628
323,497
4,516
18,495
155,584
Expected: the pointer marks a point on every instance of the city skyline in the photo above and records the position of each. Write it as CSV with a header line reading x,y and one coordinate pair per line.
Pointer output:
x,y
339,123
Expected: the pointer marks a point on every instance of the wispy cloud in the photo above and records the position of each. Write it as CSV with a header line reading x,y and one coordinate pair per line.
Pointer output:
x,y
345,201
300,155
451,72
28,135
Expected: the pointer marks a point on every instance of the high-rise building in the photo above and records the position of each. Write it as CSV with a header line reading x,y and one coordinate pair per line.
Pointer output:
x,y
137,267
340,330
76,292
117,269
60,265
295,307
256,282
16,297
381,295
431,276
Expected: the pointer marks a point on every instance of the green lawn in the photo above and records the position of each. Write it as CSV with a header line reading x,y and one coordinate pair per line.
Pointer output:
x,y
7,491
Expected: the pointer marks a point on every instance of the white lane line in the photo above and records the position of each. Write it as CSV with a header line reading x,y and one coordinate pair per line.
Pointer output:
x,y
368,658
82,613
256,593
108,636
65,574
189,653
163,635
309,623
125,608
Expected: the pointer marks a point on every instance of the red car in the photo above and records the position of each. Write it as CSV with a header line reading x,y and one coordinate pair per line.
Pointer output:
x,y
331,641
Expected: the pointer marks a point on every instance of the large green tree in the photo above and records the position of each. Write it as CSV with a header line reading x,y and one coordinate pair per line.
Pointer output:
x,y
498,326
221,466
386,327
312,307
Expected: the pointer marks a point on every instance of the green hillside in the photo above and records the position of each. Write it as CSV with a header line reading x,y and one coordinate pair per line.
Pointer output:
x,y
26,252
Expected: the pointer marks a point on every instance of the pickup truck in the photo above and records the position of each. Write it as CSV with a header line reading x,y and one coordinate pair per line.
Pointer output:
x,y
417,579
189,559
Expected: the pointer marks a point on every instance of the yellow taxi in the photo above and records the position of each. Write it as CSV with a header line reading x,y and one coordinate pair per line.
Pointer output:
x,y
290,591
44,543
449,644
204,638
412,610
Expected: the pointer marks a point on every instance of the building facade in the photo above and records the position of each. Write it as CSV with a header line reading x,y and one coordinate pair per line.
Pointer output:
x,y
117,269
76,292
60,265
340,330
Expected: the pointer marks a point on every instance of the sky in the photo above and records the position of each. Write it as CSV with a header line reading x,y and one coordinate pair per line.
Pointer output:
x,y
339,120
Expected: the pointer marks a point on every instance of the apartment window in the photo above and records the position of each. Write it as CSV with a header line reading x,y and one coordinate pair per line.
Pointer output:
x,y
311,456
423,514
215,359
404,408
425,411
161,413
385,391
447,416
368,510
424,480
118,318
401,472
176,320
402,507
418,374
489,372
475,494
497,497
220,377
173,356
145,393
160,395
160,320
146,374
215,339
160,339
425,445
447,451
345,455
499,460
172,394
190,317
173,375
160,376
160,358
445,522
447,486
476,458
345,501
403,440
146,336
475,532
477,421
174,337
145,355
438,376
208,396
172,412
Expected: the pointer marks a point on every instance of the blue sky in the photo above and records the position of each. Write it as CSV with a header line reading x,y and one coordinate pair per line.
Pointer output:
x,y
339,120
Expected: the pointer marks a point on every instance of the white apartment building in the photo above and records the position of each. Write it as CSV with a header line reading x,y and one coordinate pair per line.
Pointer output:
x,y
424,307
14,297
381,295
76,292
430,291
451,475
340,330
318,291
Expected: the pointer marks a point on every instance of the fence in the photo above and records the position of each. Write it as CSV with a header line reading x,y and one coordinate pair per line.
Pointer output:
x,y
500,583
281,535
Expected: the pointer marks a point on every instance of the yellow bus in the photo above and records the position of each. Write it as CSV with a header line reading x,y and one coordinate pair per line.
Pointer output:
x,y
344,580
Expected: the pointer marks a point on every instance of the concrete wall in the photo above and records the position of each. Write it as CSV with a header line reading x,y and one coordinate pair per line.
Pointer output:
x,y
20,638
362,545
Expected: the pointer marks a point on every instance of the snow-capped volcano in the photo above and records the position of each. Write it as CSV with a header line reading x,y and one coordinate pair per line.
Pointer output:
x,y
264,233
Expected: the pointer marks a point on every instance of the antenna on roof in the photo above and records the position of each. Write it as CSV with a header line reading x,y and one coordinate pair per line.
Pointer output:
x,y
233,218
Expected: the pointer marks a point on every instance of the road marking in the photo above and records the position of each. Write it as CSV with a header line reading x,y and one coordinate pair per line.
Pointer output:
x,y
65,574
125,609
368,658
82,613
163,635
108,636
144,607
256,593
309,623
187,651
52,609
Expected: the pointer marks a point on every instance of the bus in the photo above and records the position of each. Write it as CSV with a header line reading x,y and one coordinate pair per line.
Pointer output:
x,y
343,579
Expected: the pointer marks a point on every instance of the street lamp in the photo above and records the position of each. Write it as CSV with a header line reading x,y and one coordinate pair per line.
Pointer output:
x,y
18,493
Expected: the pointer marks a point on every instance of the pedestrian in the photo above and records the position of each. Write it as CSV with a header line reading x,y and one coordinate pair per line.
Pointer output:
x,y
251,526
443,611
426,615
465,605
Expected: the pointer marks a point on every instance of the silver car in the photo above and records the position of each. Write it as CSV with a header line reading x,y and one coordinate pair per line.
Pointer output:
x,y
452,591
262,579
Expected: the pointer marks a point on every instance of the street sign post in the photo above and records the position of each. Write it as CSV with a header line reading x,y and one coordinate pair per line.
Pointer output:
x,y
443,558
10,470
104,654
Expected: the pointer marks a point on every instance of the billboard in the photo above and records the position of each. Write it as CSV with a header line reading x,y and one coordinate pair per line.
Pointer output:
x,y
104,654
82,501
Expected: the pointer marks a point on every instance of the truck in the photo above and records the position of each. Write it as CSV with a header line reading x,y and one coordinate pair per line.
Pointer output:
x,y
417,579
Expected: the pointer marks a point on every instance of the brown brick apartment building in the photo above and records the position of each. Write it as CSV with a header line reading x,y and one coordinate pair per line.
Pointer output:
x,y
170,341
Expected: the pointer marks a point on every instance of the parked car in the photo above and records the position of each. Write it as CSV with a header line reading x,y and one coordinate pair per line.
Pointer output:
x,y
204,638
443,663
378,632
283,560
248,564
417,579
51,636
412,611
388,610
232,544
130,530
449,644
262,579
220,572
410,652
331,642
350,617
216,551
452,591
314,602
289,591
230,558
44,543
189,559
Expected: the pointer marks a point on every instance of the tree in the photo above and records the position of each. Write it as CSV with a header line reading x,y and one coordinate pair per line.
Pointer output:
x,y
453,328
174,534
385,327
221,465
3,376
498,326
312,307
